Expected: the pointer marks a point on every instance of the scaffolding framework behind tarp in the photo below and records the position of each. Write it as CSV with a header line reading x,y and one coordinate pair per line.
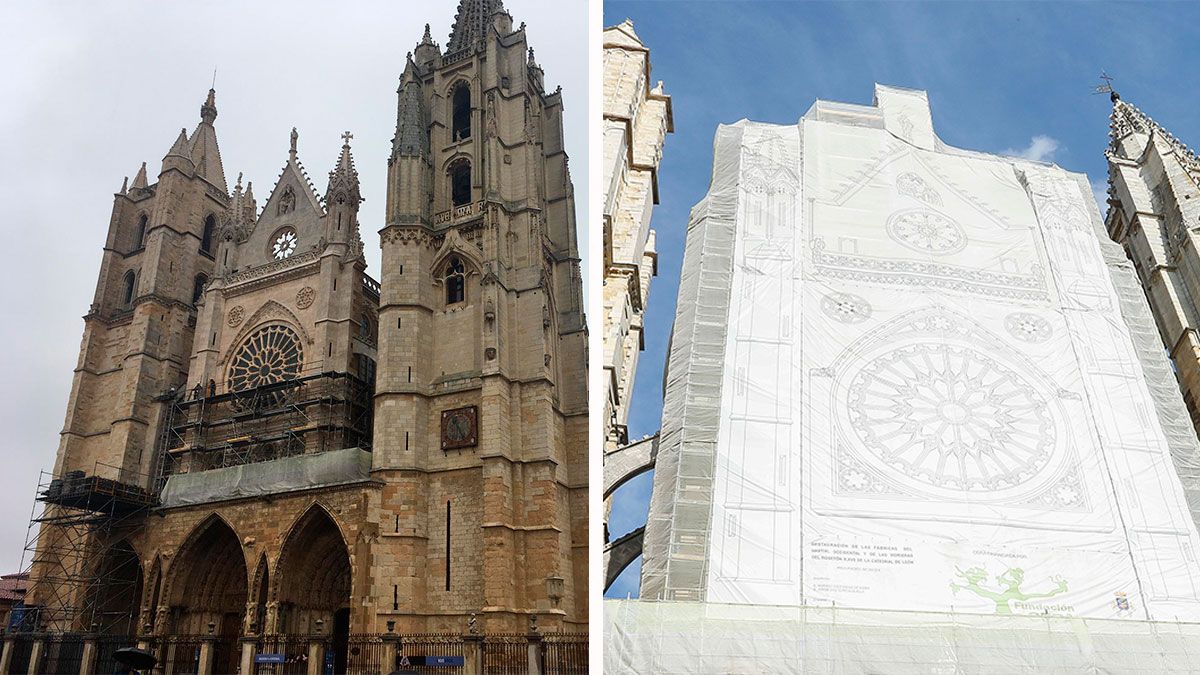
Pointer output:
x,y
669,638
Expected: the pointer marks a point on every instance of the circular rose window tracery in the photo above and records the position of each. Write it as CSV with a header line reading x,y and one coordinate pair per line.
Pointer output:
x,y
270,354
927,231
283,245
951,417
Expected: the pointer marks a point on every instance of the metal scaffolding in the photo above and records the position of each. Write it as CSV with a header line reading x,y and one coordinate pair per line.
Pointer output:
x,y
83,574
208,429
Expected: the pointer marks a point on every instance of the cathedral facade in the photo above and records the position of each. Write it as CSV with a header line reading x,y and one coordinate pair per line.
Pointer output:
x,y
261,439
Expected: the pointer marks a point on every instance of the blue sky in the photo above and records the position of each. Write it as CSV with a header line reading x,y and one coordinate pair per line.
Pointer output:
x,y
1005,77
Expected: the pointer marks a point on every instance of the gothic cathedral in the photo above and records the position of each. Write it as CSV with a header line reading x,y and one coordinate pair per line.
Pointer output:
x,y
263,440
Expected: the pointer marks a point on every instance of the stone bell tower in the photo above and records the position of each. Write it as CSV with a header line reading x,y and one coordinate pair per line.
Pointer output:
x,y
1154,213
482,363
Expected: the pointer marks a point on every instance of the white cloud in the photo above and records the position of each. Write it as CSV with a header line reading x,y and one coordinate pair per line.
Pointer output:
x,y
1040,149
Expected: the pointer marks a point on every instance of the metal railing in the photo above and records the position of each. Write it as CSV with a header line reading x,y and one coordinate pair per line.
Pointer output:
x,y
61,654
565,653
181,654
22,651
506,654
294,649
356,654
431,644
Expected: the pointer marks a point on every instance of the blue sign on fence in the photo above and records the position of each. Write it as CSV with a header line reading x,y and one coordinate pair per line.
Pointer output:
x,y
437,661
269,658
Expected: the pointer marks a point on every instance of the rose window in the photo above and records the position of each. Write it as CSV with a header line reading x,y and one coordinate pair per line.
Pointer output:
x,y
285,244
846,307
950,417
927,232
270,354
1027,327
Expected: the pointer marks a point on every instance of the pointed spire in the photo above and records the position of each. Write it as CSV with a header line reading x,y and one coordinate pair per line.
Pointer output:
x,y
472,22
1127,120
124,186
203,149
427,39
412,137
139,181
344,177
180,147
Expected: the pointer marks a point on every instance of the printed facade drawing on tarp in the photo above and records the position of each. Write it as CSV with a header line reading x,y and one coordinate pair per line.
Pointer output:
x,y
928,395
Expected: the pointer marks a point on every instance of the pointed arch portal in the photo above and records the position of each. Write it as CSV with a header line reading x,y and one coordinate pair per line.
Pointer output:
x,y
313,576
209,583
117,590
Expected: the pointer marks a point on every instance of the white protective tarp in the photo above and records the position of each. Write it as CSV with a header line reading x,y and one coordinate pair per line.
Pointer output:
x,y
674,638
909,377
302,472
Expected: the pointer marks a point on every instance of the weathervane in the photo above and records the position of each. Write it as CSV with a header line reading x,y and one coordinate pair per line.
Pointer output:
x,y
1106,88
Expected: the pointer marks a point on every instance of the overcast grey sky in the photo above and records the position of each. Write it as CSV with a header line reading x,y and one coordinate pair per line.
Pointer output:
x,y
90,90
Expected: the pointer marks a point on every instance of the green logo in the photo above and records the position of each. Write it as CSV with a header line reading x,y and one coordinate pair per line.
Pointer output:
x,y
1009,587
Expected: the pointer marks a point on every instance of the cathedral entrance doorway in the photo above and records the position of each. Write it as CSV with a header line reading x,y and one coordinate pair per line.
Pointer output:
x,y
313,576
117,591
209,587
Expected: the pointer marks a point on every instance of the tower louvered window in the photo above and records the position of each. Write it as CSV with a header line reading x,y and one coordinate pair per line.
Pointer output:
x,y
206,240
456,282
461,117
130,288
460,183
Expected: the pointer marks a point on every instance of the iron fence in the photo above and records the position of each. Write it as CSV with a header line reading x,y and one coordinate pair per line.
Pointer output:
x,y
181,654
62,654
501,654
565,653
22,650
506,654
431,644
106,647
293,649
363,656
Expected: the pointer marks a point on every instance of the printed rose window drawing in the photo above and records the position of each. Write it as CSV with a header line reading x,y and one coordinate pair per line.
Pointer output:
x,y
270,354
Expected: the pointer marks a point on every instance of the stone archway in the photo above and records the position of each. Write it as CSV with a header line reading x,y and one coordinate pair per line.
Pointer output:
x,y
116,591
312,577
208,583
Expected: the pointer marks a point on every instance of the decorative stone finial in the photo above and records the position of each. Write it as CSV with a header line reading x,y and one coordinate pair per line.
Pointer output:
x,y
208,111
295,137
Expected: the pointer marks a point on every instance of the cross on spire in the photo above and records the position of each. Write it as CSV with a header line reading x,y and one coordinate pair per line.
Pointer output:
x,y
346,138
1107,88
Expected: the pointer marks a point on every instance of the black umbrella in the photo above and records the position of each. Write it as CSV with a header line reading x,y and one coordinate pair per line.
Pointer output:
x,y
134,658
